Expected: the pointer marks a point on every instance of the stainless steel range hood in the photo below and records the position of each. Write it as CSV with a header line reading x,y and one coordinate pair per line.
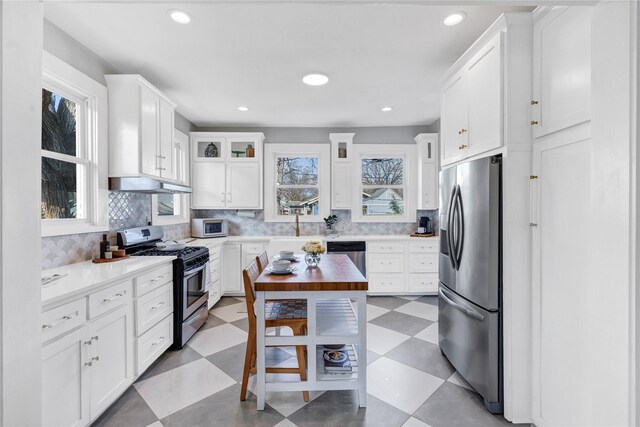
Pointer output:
x,y
146,185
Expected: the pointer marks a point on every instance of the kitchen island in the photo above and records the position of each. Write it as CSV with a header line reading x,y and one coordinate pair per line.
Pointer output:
x,y
330,290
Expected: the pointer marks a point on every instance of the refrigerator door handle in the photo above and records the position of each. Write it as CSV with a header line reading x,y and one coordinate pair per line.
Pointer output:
x,y
460,219
467,311
451,248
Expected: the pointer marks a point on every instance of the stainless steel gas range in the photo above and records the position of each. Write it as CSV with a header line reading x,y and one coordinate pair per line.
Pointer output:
x,y
190,281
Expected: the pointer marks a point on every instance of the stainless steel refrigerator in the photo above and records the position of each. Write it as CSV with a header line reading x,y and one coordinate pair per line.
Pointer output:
x,y
470,265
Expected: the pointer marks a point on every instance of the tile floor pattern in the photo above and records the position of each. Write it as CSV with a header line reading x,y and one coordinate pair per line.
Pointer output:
x,y
410,383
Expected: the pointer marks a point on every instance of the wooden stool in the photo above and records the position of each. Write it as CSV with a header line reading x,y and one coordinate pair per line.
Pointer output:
x,y
289,313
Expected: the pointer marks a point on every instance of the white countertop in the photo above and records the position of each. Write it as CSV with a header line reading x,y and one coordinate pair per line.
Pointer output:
x,y
86,276
366,237
359,237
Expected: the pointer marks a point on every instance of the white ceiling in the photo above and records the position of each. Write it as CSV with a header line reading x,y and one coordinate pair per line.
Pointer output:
x,y
256,54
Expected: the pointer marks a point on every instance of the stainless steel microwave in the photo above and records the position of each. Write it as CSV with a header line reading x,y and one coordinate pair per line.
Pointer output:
x,y
209,227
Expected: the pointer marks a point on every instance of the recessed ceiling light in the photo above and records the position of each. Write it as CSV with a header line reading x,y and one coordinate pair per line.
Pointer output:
x,y
385,109
180,16
454,19
242,108
315,79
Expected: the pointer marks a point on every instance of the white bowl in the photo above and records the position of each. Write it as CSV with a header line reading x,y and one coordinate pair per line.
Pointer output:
x,y
281,264
285,254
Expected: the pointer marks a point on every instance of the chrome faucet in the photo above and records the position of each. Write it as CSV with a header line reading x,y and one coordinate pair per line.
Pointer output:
x,y
297,227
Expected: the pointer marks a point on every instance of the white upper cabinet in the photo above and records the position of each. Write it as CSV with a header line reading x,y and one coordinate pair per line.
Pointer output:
x,y
486,94
454,118
167,153
471,105
428,170
141,126
209,185
484,85
149,110
226,170
244,182
562,70
341,164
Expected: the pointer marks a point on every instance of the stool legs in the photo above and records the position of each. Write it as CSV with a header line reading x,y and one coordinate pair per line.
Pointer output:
x,y
249,361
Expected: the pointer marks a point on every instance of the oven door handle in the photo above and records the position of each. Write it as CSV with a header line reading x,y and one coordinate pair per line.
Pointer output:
x,y
189,274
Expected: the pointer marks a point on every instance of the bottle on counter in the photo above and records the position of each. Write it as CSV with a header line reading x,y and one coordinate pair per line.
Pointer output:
x,y
104,246
250,151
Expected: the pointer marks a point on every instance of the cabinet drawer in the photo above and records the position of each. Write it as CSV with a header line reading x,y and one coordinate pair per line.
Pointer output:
x,y
389,263
385,247
153,279
110,298
423,282
423,263
428,246
61,319
253,248
214,270
386,283
153,343
152,307
214,252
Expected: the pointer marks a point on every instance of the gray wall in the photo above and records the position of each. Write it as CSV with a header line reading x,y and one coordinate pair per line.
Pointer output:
x,y
435,126
80,57
182,124
363,135
74,53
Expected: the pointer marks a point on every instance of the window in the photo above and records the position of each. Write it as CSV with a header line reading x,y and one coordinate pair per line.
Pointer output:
x,y
170,208
74,151
383,186
385,183
64,158
297,179
297,185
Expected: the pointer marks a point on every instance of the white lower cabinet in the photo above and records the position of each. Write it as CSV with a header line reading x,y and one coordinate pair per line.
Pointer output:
x,y
235,257
403,267
232,268
153,343
427,283
387,283
111,350
88,356
65,396
215,269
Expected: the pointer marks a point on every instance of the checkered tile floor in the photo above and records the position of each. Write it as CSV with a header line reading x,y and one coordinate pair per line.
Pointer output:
x,y
410,383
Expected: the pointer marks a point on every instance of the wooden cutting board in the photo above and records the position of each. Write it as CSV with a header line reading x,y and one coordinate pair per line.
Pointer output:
x,y
103,260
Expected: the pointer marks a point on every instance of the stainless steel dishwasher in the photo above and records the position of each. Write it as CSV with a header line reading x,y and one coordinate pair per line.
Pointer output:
x,y
357,251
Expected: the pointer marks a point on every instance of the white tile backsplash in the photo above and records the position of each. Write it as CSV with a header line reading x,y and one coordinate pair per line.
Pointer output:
x,y
126,210
256,226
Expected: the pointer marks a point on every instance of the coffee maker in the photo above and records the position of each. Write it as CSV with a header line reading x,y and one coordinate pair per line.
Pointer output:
x,y
424,225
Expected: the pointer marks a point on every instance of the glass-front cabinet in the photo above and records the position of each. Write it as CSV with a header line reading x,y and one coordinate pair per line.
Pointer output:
x,y
226,170
341,156
210,147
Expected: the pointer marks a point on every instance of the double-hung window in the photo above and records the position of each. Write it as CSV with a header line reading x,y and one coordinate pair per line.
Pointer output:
x,y
385,183
297,182
74,151
65,158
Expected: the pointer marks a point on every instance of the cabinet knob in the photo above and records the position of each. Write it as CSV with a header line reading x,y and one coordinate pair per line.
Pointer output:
x,y
533,122
534,102
461,131
462,146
